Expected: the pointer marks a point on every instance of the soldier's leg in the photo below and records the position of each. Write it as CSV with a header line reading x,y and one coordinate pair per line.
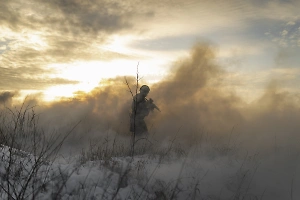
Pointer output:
x,y
140,128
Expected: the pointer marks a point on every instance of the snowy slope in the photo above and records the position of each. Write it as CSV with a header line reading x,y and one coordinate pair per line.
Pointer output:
x,y
203,175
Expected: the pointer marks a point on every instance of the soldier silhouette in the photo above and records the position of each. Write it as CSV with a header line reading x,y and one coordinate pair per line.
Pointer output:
x,y
140,109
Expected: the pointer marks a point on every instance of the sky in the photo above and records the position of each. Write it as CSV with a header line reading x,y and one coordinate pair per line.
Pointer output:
x,y
54,49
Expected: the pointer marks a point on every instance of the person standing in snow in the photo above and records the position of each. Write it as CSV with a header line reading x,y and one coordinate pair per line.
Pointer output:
x,y
140,109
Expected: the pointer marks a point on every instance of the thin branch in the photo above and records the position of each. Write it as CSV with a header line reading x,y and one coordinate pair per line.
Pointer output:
x,y
129,89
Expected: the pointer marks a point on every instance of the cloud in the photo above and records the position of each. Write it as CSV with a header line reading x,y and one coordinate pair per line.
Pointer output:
x,y
63,50
9,16
91,16
285,11
28,68
284,32
72,17
78,30
38,33
28,78
172,43
291,23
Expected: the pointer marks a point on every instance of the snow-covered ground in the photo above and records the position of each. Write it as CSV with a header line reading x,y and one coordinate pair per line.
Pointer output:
x,y
141,177
205,174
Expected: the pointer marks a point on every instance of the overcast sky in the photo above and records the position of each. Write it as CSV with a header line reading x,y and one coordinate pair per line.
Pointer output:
x,y
58,47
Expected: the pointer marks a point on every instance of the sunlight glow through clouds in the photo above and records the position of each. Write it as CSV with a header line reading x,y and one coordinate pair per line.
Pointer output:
x,y
57,92
117,43
89,74
36,41
3,47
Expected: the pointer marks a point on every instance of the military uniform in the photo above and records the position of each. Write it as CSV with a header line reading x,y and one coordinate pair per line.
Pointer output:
x,y
139,111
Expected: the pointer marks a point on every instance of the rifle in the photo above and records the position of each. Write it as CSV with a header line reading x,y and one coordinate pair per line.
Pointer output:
x,y
151,105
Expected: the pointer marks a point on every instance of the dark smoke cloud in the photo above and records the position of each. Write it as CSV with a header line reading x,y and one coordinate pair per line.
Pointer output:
x,y
192,98
273,119
105,109
6,96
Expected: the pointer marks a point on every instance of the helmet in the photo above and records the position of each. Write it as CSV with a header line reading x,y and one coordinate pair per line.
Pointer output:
x,y
145,88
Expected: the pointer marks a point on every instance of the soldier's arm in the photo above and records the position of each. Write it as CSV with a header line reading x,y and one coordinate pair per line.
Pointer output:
x,y
151,105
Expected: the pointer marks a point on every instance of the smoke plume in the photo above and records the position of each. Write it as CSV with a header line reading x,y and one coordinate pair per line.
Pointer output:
x,y
193,101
